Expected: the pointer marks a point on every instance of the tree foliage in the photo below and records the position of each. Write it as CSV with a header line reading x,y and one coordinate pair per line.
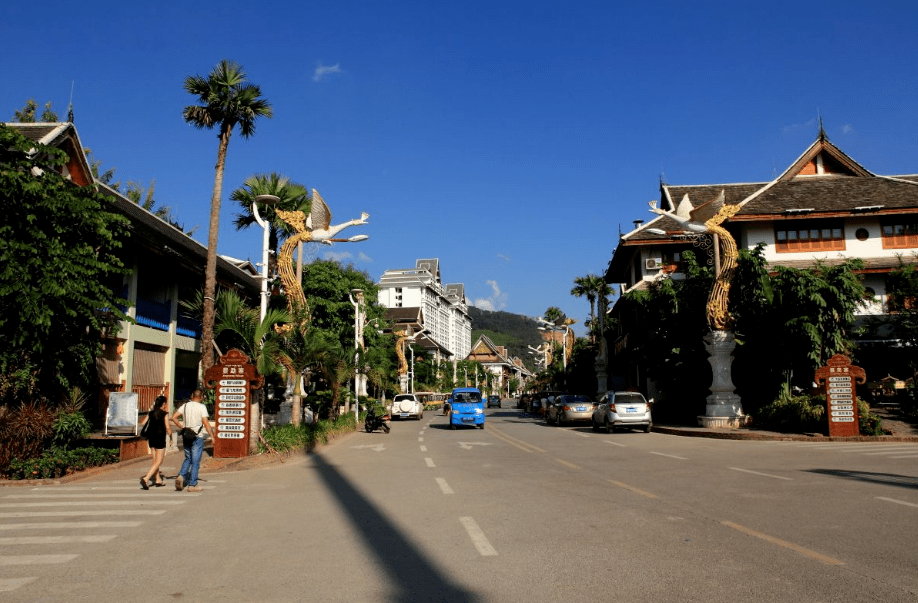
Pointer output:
x,y
26,115
58,265
786,324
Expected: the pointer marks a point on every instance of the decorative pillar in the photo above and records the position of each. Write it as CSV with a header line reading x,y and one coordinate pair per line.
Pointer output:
x,y
724,408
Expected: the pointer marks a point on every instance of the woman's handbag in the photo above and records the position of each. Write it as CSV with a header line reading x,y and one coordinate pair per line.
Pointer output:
x,y
145,430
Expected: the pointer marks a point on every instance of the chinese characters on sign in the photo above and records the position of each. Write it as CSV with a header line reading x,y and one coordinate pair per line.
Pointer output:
x,y
234,378
839,378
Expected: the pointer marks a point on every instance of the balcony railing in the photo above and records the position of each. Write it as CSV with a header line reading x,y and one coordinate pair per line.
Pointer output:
x,y
153,314
189,327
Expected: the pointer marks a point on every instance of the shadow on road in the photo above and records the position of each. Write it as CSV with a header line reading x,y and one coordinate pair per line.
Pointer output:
x,y
411,573
890,479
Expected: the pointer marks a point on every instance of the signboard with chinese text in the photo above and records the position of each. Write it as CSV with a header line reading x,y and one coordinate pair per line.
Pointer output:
x,y
839,378
234,379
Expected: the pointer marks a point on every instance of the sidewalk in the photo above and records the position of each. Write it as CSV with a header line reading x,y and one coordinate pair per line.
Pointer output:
x,y
749,433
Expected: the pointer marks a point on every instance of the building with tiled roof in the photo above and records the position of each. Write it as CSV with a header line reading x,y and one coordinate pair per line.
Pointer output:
x,y
160,351
499,363
443,308
825,208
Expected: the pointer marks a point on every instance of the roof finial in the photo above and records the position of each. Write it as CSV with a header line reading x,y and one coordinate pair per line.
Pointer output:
x,y
822,130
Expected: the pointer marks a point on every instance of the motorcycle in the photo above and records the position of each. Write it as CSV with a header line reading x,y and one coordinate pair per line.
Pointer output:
x,y
373,422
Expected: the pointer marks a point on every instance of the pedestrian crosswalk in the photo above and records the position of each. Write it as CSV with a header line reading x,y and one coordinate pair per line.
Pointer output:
x,y
48,525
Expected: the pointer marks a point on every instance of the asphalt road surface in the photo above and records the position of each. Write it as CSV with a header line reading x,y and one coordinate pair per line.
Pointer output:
x,y
519,511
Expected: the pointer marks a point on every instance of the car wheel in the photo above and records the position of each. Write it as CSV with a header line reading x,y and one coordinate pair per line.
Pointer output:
x,y
452,425
481,426
593,424
647,428
560,420
609,427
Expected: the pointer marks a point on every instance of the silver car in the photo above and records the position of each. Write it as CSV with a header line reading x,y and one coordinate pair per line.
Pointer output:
x,y
622,409
570,408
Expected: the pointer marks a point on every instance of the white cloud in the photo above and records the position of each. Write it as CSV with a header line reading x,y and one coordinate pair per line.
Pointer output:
x,y
503,257
337,256
322,72
364,258
496,301
793,127
847,129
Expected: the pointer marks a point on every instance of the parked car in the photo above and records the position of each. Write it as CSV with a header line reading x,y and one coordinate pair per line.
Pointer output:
x,y
622,409
568,408
406,406
523,401
493,401
466,408
540,401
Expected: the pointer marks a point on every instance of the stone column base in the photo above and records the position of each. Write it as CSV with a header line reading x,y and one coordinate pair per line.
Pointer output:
x,y
725,422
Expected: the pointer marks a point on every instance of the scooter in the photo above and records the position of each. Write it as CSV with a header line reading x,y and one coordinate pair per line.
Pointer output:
x,y
372,423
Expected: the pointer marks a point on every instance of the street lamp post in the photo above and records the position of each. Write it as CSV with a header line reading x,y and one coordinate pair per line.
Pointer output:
x,y
267,200
550,326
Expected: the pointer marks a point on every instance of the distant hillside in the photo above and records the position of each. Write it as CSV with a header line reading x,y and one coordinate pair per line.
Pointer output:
x,y
512,331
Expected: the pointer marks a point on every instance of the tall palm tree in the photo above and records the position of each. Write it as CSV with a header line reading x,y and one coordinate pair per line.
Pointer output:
x,y
594,288
293,196
227,100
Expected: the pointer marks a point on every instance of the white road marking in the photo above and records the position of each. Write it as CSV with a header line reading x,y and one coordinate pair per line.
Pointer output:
x,y
760,473
72,524
98,503
615,443
444,486
423,448
478,538
55,539
373,447
898,502
672,456
8,584
582,435
908,456
468,445
140,494
109,513
890,451
420,439
429,462
35,559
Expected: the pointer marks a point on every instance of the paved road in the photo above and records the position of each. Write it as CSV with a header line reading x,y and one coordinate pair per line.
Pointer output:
x,y
518,511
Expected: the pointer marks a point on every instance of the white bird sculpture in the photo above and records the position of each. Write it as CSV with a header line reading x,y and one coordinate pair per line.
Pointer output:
x,y
693,218
319,221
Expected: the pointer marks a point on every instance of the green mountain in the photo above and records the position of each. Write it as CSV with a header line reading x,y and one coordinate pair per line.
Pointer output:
x,y
512,331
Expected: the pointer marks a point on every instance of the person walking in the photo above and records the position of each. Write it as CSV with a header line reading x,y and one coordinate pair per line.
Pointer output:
x,y
157,431
194,418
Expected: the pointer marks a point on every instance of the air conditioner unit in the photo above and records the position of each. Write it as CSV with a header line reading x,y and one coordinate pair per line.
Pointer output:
x,y
653,263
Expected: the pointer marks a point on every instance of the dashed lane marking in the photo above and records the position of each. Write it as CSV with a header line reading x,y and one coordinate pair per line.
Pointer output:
x,y
478,538
429,462
423,448
514,442
632,488
760,473
783,543
615,443
672,456
566,464
100,503
108,513
444,487
898,502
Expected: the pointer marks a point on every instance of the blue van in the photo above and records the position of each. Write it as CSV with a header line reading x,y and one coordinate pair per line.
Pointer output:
x,y
466,408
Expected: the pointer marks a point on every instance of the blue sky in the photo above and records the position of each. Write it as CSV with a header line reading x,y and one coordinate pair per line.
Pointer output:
x,y
511,140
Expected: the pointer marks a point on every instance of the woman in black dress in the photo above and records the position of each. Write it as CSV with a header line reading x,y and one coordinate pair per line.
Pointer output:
x,y
156,438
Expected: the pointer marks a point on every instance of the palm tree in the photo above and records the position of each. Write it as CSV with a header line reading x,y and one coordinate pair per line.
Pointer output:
x,y
594,288
293,196
227,101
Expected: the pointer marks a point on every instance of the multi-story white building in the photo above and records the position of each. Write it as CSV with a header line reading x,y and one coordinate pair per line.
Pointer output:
x,y
444,308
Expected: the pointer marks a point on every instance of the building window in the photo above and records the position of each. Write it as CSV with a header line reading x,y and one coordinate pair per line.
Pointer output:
x,y
809,235
900,233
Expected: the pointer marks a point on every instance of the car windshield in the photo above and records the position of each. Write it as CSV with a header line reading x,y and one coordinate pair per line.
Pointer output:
x,y
465,397
397,398
629,398
576,399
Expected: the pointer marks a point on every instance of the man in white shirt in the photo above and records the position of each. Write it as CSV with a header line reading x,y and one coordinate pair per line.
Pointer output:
x,y
194,417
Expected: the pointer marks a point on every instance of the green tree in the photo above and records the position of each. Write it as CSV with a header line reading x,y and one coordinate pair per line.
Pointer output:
x,y
58,270
595,288
228,101
26,115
